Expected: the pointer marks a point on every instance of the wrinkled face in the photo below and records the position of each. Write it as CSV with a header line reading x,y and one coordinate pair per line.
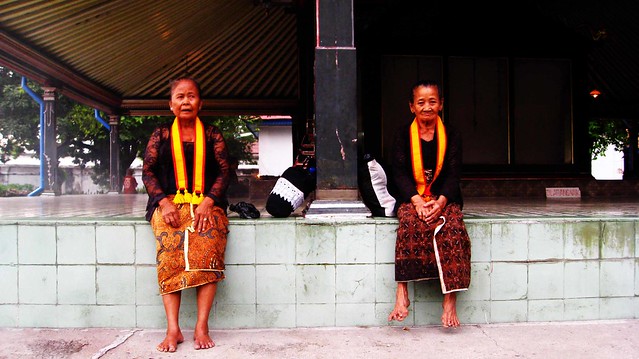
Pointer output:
x,y
185,100
426,103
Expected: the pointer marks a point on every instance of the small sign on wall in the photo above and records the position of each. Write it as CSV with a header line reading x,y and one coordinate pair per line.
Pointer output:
x,y
563,192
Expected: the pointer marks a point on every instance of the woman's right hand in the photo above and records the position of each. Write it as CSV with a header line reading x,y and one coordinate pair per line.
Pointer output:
x,y
420,206
169,212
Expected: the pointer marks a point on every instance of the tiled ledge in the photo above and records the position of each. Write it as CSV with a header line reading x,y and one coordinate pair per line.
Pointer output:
x,y
296,272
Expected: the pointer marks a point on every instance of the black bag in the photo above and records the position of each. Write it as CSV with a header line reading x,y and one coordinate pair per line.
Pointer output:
x,y
373,187
245,210
290,190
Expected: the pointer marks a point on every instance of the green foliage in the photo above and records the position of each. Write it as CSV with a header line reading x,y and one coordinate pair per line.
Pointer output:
x,y
14,190
604,133
20,119
234,129
90,141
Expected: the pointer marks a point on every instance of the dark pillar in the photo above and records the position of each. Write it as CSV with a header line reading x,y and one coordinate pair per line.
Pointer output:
x,y
114,151
631,155
335,101
51,185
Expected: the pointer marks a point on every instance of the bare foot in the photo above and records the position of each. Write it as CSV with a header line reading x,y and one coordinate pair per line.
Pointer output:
x,y
171,341
449,316
202,339
400,312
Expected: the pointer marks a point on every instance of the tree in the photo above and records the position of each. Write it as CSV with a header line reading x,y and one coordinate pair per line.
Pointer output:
x,y
81,136
234,129
605,133
134,133
20,115
84,138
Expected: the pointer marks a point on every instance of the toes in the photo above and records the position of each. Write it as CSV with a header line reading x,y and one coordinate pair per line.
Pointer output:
x,y
166,349
450,323
203,344
397,316
170,344
199,346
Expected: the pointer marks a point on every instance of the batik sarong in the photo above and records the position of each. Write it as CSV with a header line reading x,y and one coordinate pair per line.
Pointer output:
x,y
437,251
186,260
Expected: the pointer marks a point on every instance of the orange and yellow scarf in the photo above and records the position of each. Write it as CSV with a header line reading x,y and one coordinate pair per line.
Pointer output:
x,y
416,154
179,164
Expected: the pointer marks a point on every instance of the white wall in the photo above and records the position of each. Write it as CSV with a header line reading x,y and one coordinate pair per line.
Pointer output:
x,y
26,170
276,150
609,166
78,182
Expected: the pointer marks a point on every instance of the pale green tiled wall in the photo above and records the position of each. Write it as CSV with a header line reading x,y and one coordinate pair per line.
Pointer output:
x,y
296,272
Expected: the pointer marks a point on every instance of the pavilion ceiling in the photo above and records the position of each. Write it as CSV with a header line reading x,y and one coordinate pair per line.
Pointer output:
x,y
119,55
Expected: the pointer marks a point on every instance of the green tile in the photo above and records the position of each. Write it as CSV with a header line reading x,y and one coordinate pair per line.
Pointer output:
x,y
618,240
315,243
275,243
36,244
76,244
37,284
115,285
8,244
275,284
355,243
243,249
355,283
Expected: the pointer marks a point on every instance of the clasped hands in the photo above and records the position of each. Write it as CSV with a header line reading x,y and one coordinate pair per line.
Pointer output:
x,y
428,210
201,216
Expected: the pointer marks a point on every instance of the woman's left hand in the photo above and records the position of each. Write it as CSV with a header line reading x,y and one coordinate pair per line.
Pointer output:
x,y
204,215
434,209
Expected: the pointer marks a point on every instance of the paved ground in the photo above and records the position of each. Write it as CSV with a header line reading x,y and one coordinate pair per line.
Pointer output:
x,y
583,340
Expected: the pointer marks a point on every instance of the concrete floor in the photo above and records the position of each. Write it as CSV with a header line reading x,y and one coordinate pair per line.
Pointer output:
x,y
583,340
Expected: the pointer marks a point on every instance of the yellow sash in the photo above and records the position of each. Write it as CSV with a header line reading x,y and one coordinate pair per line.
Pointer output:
x,y
179,164
416,155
